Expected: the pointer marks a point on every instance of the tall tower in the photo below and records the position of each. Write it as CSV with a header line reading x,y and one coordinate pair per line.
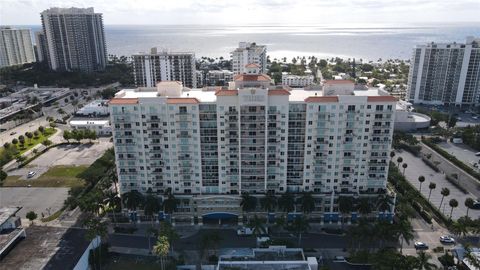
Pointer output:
x,y
16,47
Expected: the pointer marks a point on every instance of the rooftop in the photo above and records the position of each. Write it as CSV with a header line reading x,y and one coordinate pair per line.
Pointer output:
x,y
7,212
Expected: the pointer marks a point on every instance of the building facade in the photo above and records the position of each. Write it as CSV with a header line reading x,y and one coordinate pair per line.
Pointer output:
x,y
153,67
75,39
249,53
218,77
41,46
16,47
252,137
445,73
296,80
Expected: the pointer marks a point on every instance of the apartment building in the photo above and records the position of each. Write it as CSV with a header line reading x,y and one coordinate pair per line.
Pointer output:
x,y
218,77
445,73
209,147
151,68
16,47
296,80
41,46
249,53
75,39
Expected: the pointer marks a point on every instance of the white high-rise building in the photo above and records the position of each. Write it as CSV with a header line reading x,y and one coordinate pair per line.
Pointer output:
x,y
75,39
16,47
209,147
151,68
445,73
249,53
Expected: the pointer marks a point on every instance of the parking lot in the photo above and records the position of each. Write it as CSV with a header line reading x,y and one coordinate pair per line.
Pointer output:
x,y
39,200
462,152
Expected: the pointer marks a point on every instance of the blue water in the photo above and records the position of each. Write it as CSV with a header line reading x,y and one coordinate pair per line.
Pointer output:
x,y
288,41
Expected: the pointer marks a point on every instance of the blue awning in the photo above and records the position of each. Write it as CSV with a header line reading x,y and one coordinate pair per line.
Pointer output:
x,y
220,215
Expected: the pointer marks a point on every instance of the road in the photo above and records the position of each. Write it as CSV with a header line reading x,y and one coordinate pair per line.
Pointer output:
x,y
417,167
462,152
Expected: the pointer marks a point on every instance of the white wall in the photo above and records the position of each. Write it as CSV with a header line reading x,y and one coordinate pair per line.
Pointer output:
x,y
82,264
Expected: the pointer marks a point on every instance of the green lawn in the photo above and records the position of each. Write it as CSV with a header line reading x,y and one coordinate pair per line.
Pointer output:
x,y
58,176
30,143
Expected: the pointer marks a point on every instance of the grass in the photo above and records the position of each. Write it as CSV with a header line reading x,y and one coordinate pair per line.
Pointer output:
x,y
30,143
52,217
57,176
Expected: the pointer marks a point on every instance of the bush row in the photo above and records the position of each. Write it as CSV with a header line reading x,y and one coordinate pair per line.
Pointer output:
x,y
430,164
455,182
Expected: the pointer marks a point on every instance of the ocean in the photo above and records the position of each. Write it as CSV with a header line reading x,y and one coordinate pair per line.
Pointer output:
x,y
368,43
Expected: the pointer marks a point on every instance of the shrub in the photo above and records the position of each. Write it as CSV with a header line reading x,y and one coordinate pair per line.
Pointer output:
x,y
426,216
438,249
430,164
454,181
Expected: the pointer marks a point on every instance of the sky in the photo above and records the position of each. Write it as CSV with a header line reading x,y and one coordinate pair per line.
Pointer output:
x,y
244,12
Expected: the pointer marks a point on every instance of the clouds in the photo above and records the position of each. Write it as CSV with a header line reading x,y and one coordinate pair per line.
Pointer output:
x,y
253,11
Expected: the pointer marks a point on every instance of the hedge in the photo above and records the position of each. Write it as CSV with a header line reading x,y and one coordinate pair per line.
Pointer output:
x,y
430,164
455,182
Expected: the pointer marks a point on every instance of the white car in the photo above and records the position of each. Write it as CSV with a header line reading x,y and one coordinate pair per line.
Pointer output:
x,y
31,174
420,246
446,239
477,154
339,259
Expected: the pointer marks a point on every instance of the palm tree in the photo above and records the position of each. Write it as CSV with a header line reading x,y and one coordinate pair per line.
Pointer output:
x,y
392,154
170,203
424,261
384,202
345,206
405,230
132,199
112,203
469,203
151,206
431,186
269,202
257,225
96,230
453,203
364,206
421,179
445,192
286,202
307,202
399,160
300,225
248,203
161,249
404,166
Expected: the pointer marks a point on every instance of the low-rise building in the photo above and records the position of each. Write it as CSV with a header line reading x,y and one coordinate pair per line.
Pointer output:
x,y
296,80
95,108
271,258
406,119
100,126
11,230
218,77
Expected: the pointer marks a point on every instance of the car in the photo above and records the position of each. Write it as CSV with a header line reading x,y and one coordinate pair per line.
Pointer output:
x,y
420,246
31,174
475,117
477,154
476,204
244,231
339,259
13,133
446,239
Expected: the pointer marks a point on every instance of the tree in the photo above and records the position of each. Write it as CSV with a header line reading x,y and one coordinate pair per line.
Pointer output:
x,y
445,192
112,203
15,142
345,206
132,199
6,145
392,154
161,249
257,225
469,203
41,129
248,203
96,230
404,166
269,202
307,202
300,225
399,160
29,135
151,206
170,204
166,229
405,231
453,203
364,206
286,202
421,179
31,216
47,142
424,261
384,202
36,134
67,135
431,186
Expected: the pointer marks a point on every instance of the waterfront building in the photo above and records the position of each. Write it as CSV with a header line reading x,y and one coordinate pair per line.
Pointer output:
x,y
296,80
445,73
219,77
75,39
16,47
151,68
210,147
249,53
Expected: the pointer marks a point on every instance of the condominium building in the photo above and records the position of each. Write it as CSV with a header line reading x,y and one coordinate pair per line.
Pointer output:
x,y
208,147
75,39
16,47
151,68
445,73
249,53
218,77
41,46
296,80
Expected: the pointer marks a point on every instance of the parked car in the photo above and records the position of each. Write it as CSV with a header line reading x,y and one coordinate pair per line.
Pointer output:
x,y
476,204
477,154
13,133
339,259
31,174
244,231
446,239
420,246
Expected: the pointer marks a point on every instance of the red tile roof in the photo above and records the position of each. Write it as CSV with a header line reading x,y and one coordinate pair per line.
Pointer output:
x,y
381,99
252,77
226,93
338,82
182,101
322,99
278,92
123,101
252,65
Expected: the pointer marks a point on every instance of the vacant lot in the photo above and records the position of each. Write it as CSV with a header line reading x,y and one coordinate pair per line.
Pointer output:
x,y
39,200
58,176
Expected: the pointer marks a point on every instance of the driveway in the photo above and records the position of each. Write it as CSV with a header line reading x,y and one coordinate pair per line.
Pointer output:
x,y
39,200
417,167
